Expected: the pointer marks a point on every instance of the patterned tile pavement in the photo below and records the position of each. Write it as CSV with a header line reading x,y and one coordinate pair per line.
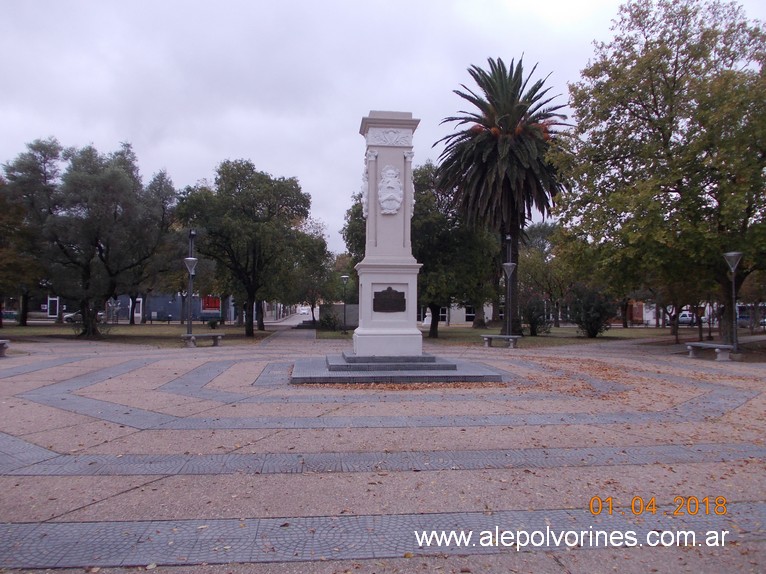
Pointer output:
x,y
115,457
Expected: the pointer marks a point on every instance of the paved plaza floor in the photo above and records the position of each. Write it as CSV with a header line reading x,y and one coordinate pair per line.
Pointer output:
x,y
606,457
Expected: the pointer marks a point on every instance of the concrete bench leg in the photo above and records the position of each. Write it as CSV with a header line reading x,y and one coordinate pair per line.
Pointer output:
x,y
487,342
191,342
215,341
3,347
693,352
722,355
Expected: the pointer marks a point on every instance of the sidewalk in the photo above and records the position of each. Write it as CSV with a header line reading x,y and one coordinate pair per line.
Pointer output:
x,y
206,460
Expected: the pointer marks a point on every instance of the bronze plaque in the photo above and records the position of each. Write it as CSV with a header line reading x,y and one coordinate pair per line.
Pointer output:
x,y
389,301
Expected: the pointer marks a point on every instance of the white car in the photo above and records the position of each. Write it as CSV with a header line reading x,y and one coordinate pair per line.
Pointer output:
x,y
687,318
76,317
303,311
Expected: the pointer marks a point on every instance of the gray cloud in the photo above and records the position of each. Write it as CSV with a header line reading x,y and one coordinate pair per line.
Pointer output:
x,y
284,84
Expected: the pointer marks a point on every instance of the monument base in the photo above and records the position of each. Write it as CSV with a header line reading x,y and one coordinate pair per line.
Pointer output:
x,y
402,342
351,368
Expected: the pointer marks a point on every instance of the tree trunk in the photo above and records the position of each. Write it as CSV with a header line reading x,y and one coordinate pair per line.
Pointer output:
x,y
479,318
132,311
674,330
557,313
248,312
496,304
89,320
23,308
259,315
433,331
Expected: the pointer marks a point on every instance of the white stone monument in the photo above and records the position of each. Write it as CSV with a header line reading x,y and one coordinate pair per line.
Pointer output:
x,y
388,346
388,273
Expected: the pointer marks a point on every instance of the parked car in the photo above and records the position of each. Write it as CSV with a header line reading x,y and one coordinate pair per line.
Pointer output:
x,y
687,318
76,317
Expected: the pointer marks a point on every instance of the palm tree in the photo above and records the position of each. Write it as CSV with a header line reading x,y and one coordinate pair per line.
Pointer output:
x,y
497,165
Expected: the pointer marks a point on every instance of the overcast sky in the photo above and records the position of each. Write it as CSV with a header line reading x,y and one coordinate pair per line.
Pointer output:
x,y
282,83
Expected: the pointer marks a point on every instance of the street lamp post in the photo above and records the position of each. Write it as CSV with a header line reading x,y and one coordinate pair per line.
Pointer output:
x,y
732,259
508,268
191,264
344,279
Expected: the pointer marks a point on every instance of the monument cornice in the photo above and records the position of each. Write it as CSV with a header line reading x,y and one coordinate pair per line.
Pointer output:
x,y
388,120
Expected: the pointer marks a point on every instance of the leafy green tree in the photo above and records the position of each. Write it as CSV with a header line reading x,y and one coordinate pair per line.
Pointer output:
x,y
309,276
669,152
19,257
246,223
434,245
354,231
33,178
545,272
498,163
475,263
95,222
163,246
343,264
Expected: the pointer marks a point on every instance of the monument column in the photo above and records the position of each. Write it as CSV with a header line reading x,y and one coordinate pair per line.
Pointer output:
x,y
388,273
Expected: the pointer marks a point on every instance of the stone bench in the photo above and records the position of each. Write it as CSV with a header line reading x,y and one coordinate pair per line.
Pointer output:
x,y
4,344
509,339
191,340
721,351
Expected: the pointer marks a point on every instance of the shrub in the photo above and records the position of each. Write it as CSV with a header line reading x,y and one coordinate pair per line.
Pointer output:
x,y
330,322
533,312
591,310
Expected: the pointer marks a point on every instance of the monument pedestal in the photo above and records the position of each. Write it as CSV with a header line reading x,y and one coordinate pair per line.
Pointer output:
x,y
387,309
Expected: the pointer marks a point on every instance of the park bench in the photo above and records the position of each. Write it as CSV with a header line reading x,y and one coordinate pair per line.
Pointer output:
x,y
4,343
509,339
722,351
191,340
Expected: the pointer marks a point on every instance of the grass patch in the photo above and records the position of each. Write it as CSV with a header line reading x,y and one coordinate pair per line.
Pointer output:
x,y
463,335
157,335
334,335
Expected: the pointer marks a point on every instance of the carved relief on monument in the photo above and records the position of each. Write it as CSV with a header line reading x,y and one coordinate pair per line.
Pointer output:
x,y
390,190
389,137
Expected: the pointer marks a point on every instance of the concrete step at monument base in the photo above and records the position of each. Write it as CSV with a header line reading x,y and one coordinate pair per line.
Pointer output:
x,y
350,362
316,370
